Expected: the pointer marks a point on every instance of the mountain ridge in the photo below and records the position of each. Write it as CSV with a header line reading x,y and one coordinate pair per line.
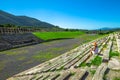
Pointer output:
x,y
108,28
7,18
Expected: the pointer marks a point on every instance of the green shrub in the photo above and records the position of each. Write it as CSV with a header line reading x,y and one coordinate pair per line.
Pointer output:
x,y
97,61
116,53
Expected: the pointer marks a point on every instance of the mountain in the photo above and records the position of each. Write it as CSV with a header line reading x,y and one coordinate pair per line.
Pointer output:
x,y
107,28
7,18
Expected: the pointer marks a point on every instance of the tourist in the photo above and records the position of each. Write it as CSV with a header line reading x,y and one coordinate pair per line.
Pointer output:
x,y
94,50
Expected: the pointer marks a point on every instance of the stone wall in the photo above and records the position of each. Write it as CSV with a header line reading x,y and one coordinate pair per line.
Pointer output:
x,y
8,41
13,30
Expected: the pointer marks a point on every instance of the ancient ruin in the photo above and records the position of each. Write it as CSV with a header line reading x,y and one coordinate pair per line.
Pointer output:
x,y
12,37
70,66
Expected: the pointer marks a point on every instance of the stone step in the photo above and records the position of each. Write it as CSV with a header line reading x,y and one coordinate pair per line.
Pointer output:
x,y
53,76
99,74
118,44
66,60
84,58
45,76
37,76
99,51
79,74
74,61
64,75
107,51
63,60
21,78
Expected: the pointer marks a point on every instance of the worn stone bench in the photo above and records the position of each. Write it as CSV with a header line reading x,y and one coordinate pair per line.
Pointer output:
x,y
107,51
99,74
79,74
64,75
53,76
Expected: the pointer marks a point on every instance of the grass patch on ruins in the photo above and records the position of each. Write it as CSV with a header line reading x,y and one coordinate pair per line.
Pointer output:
x,y
92,72
27,62
45,56
96,61
72,73
116,78
61,68
21,58
83,64
14,52
2,65
116,53
57,35
57,49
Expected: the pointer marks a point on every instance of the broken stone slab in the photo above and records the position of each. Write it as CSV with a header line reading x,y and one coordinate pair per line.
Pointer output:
x,y
114,64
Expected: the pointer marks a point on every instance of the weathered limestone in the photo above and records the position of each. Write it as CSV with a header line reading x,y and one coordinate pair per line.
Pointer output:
x,y
118,41
107,51
114,64
118,44
78,75
44,77
63,75
87,55
100,72
53,76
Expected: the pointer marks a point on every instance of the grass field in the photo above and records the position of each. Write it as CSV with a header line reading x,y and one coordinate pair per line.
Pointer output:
x,y
57,35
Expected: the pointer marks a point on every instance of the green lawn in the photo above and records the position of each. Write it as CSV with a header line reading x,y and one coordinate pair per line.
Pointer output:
x,y
57,35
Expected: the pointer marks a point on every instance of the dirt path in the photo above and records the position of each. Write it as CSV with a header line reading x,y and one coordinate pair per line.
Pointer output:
x,y
16,60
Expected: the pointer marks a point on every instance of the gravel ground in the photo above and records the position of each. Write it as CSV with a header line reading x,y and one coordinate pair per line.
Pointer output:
x,y
17,60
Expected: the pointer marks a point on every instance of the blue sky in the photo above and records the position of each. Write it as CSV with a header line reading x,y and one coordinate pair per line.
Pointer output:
x,y
81,14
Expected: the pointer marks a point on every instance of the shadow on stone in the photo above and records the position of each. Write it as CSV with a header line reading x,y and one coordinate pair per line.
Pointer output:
x,y
85,76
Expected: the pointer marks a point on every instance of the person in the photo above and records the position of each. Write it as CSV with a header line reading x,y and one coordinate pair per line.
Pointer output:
x,y
94,50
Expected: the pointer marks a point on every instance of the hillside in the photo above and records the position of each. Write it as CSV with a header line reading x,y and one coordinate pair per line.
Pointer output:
x,y
7,18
